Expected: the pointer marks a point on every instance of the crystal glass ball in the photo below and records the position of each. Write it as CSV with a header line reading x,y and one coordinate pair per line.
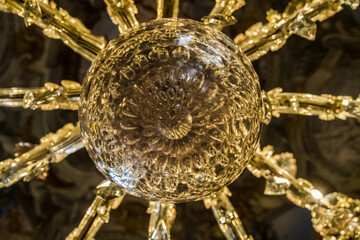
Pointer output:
x,y
171,110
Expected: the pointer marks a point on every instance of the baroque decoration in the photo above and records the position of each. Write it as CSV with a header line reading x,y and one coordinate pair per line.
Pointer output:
x,y
171,111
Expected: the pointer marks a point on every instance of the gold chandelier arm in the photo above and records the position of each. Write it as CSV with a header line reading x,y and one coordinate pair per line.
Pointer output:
x,y
221,15
279,170
108,197
14,97
167,8
122,13
57,24
326,107
53,148
162,216
260,39
334,215
226,216
49,97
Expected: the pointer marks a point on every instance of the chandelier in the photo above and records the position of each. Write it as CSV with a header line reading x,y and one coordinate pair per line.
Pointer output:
x,y
171,111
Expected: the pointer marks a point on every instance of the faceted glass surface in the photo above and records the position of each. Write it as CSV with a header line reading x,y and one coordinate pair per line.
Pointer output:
x,y
171,110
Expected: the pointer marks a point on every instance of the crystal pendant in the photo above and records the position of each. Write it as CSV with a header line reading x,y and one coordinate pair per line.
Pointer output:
x,y
337,216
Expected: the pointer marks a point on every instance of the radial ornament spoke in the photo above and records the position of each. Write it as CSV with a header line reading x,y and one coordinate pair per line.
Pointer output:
x,y
49,97
53,148
226,216
57,24
162,216
220,16
298,18
334,216
108,197
122,13
325,106
167,8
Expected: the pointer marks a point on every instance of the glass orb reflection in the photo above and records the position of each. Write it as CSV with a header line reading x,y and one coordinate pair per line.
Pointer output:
x,y
171,110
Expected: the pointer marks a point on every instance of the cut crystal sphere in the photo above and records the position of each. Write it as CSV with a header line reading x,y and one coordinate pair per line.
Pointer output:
x,y
171,110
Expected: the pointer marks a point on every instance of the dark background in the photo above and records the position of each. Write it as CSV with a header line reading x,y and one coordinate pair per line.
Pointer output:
x,y
327,153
